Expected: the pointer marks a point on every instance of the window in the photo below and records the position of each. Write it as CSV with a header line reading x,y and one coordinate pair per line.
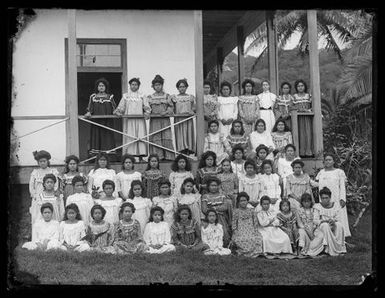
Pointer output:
x,y
99,55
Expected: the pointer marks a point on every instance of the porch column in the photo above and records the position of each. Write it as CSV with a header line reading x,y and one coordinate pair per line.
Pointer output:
x,y
241,57
198,38
272,52
219,66
72,127
315,82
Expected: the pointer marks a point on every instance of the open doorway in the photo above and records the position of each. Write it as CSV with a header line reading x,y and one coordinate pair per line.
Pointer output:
x,y
86,85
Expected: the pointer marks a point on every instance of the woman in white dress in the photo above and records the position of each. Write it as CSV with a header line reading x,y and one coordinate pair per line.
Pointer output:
x,y
269,182
275,240
110,202
134,102
157,233
227,109
166,201
126,176
266,101
335,179
261,136
330,225
98,174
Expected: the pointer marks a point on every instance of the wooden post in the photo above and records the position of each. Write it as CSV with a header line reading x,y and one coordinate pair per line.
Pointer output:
x,y
198,41
219,66
294,129
241,57
72,127
272,51
315,82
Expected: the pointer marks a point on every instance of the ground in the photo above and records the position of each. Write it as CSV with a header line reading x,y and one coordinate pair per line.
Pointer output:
x,y
191,268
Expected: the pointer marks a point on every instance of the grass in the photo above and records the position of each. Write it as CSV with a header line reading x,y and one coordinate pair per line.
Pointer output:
x,y
189,268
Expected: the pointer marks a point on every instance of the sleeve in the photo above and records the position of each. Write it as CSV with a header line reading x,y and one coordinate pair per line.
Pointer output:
x,y
90,181
220,112
240,110
236,184
118,183
290,137
287,188
146,106
113,104
111,232
172,181
276,111
83,229
170,105
220,234
32,179
197,233
121,108
57,175
146,234
235,109
342,179
204,235
234,224
262,220
90,107
240,185
206,146
204,204
35,232
279,168
193,103
277,186
299,220
138,230
226,145
167,239
55,235
61,229
318,175
60,203
270,142
316,217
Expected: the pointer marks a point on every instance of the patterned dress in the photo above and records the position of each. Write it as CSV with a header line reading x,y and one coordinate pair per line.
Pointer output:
x,y
134,103
295,187
229,185
100,236
248,108
228,109
266,102
210,108
212,235
128,238
308,223
282,108
123,181
305,128
150,181
238,168
288,224
247,239
224,210
66,187
193,200
161,103
238,140
184,132
101,139
284,168
218,144
188,234
169,205
202,177
281,140
176,180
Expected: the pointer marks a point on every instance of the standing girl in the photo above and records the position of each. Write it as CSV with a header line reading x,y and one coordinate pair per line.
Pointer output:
x,y
110,202
151,177
216,142
166,201
134,102
99,174
281,137
284,168
335,179
288,223
184,132
126,176
142,205
101,103
238,163
250,183
70,171
229,181
266,101
302,103
237,136
210,103
161,104
283,104
246,238
212,235
180,170
248,106
228,108
217,201
157,233
191,199
261,136
207,168
270,185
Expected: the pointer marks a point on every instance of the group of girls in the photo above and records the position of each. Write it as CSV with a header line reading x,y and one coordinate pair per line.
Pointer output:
x,y
248,207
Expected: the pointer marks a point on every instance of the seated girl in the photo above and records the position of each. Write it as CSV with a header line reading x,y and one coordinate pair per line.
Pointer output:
x,y
310,236
151,177
216,142
212,235
229,181
261,136
284,168
166,201
127,233
261,154
157,233
238,162
246,238
269,182
180,170
83,200
192,199
109,202
45,232
72,230
237,137
218,201
275,240
207,168
288,223
185,231
100,232
332,229
250,183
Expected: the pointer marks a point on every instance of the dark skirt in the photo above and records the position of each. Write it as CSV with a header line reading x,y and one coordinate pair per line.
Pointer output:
x,y
102,139
305,130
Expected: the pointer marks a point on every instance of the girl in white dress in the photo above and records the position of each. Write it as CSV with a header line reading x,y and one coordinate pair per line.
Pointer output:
x,y
335,179
266,101
166,201
73,230
83,200
98,174
192,198
157,233
275,240
250,183
126,176
212,235
261,137
284,168
45,232
142,205
180,170
332,229
134,102
36,180
227,108
216,142
270,185
110,202
238,162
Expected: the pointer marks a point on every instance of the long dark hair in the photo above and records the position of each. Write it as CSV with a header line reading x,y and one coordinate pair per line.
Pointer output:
x,y
212,89
204,156
73,207
207,215
180,209
260,120
300,81
280,120
174,165
149,159
283,84
152,211
232,127
105,83
133,183
223,84
67,161
130,157
99,156
245,82
187,180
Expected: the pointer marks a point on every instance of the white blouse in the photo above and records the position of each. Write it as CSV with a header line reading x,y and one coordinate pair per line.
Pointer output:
x,y
270,185
212,235
228,107
266,99
84,202
123,181
42,230
264,138
72,233
112,209
98,176
157,233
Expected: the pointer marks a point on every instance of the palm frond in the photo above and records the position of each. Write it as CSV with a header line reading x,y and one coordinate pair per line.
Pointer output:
x,y
263,53
331,43
259,36
339,24
357,102
288,25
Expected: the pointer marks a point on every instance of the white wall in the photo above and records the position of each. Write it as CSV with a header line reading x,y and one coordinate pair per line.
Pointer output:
x,y
158,42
